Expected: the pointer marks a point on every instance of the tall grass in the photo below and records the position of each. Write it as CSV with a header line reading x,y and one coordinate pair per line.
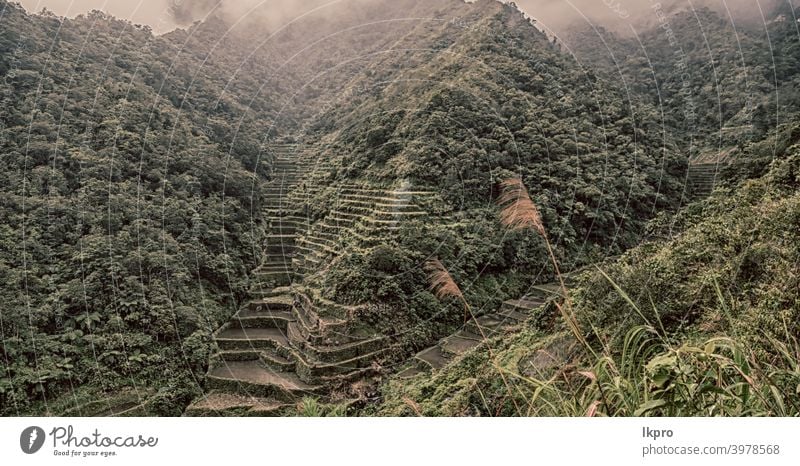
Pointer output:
x,y
519,213
719,376
715,378
445,287
649,375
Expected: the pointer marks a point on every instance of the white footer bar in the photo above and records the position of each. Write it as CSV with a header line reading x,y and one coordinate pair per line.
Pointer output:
x,y
416,442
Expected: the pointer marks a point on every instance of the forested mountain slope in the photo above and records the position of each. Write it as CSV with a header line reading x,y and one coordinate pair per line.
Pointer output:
x,y
134,171
705,324
493,98
127,230
719,84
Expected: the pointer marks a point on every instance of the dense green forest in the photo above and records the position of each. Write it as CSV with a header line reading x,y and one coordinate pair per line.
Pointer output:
x,y
127,219
718,84
494,99
134,170
705,324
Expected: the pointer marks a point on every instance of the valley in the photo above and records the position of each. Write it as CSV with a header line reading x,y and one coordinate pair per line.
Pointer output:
x,y
237,218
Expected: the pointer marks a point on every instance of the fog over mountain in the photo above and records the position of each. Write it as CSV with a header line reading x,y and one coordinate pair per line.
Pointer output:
x,y
623,15
554,15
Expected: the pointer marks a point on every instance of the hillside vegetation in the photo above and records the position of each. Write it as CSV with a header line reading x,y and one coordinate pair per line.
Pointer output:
x,y
717,84
490,99
137,205
705,324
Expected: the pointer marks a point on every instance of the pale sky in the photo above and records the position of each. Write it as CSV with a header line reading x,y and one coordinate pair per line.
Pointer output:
x,y
154,13
552,13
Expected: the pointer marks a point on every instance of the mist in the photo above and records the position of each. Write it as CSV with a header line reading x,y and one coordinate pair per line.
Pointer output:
x,y
625,16
552,15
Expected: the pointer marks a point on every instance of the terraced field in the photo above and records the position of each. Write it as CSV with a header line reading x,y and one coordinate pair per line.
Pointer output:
x,y
289,341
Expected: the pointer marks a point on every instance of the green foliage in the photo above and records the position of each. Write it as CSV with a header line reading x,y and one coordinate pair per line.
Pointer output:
x,y
311,407
718,84
746,245
705,324
125,230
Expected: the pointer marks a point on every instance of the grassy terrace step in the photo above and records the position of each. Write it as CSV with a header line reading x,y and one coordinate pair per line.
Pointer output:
x,y
488,325
343,221
348,351
268,358
226,404
276,202
507,319
702,182
382,216
394,205
355,189
353,209
409,372
281,212
271,292
282,302
310,297
323,229
283,248
295,222
310,258
315,236
341,213
251,338
313,371
327,236
433,357
381,222
550,290
273,279
403,213
287,228
524,304
310,330
315,243
279,238
277,272
239,355
704,174
373,239
366,202
460,342
373,198
250,319
279,257
512,314
292,230
252,378
319,247
282,264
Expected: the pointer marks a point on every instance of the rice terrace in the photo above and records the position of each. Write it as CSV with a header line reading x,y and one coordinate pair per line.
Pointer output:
x,y
374,208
